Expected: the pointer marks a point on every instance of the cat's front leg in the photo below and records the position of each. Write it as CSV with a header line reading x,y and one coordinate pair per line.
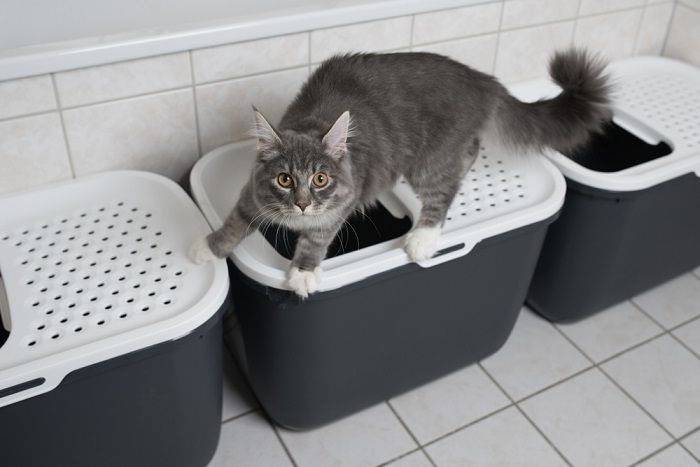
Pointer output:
x,y
305,273
218,244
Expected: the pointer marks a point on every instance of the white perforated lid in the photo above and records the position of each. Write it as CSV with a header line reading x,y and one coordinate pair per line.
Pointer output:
x,y
96,268
500,193
655,99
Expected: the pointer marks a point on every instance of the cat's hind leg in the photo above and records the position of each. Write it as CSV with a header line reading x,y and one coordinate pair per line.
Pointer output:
x,y
436,181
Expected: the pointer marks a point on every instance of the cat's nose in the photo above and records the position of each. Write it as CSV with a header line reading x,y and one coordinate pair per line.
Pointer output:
x,y
302,205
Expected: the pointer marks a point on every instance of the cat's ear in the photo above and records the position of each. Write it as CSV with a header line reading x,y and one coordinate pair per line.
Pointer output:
x,y
269,141
335,141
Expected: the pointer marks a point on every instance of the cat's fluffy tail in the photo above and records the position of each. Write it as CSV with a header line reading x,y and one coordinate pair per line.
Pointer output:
x,y
567,120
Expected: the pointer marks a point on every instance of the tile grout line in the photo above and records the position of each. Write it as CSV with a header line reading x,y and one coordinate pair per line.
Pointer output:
x,y
195,105
575,28
275,428
690,7
498,38
616,384
652,454
645,9
466,425
240,415
410,433
686,436
402,456
59,108
668,29
308,51
522,412
410,37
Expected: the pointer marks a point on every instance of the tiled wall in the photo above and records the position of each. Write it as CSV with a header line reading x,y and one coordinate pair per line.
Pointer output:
x,y
684,34
162,113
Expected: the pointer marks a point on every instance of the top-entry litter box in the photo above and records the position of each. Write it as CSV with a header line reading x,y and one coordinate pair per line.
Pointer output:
x,y
110,343
631,219
381,325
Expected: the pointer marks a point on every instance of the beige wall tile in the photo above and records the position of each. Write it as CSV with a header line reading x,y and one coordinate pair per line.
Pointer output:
x,y
477,52
459,22
32,152
591,7
247,58
123,79
225,113
613,35
652,31
684,36
519,13
25,96
375,36
155,133
524,53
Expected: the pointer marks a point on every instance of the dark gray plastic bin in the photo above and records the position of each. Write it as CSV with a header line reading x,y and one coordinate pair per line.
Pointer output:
x,y
631,218
381,325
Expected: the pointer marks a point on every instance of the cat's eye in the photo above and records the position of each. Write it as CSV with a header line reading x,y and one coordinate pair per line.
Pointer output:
x,y
320,179
285,180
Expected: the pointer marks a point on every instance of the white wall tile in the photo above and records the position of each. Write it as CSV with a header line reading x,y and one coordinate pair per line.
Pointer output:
x,y
477,52
249,441
458,22
590,7
519,13
453,401
365,37
155,133
611,331
684,35
652,31
674,456
32,152
504,439
673,302
225,112
524,53
593,423
370,437
123,79
613,35
664,377
26,96
247,58
534,357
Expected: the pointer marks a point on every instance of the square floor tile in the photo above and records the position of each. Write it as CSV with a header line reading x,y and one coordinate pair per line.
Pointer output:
x,y
506,438
675,456
534,357
664,377
611,331
416,459
237,398
674,302
593,423
692,442
370,437
690,335
451,402
249,441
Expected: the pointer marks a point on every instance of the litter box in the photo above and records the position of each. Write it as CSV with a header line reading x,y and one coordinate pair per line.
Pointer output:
x,y
381,325
631,219
110,343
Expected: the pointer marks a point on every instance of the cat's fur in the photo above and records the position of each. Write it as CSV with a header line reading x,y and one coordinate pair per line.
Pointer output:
x,y
366,119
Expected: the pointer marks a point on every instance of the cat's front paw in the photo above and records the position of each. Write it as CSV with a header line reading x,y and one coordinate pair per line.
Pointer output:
x,y
304,282
200,252
422,243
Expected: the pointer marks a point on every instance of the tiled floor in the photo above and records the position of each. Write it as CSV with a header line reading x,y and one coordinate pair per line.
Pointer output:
x,y
620,388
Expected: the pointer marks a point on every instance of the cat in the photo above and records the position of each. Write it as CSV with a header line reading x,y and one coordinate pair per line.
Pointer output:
x,y
362,120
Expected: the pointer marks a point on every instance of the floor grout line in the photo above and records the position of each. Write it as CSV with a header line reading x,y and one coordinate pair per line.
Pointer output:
x,y
410,433
684,437
275,428
522,412
406,454
649,456
240,415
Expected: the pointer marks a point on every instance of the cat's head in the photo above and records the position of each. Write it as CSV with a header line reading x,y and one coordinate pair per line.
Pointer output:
x,y
303,180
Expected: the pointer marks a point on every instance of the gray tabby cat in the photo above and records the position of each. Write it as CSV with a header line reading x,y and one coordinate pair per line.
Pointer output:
x,y
361,121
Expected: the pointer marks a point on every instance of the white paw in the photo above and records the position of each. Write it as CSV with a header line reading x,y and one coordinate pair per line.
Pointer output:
x,y
200,251
422,243
304,282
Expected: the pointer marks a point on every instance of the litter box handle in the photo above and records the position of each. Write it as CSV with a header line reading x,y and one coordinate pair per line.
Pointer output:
x,y
453,252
